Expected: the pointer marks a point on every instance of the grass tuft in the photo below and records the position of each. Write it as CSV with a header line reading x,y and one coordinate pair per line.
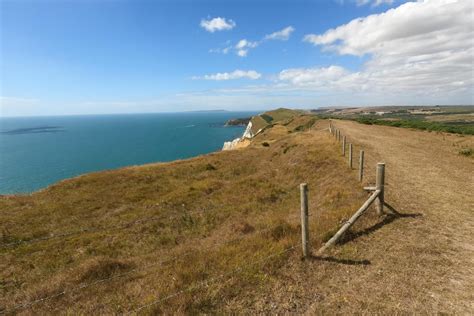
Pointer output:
x,y
102,268
468,152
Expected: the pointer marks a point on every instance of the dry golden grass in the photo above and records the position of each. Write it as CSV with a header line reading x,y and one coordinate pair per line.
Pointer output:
x,y
214,229
467,117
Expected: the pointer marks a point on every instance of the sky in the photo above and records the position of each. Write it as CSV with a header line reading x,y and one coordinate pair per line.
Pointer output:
x,y
65,57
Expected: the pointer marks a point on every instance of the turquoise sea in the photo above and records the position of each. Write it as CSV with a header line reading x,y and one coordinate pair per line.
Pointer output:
x,y
38,151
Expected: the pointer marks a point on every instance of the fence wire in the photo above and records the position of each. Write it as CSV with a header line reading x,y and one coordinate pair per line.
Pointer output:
x,y
137,270
143,220
205,283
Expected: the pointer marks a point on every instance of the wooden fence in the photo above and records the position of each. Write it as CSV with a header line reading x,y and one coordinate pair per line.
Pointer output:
x,y
377,196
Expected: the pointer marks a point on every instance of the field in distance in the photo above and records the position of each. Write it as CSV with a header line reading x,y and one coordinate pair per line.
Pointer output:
x,y
452,119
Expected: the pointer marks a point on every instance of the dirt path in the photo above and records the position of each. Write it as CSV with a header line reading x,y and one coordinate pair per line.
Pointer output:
x,y
421,262
427,261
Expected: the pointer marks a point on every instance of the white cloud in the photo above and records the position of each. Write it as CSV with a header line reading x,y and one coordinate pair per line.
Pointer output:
x,y
14,101
374,3
217,24
282,35
14,106
236,74
243,46
419,47
242,52
224,50
323,76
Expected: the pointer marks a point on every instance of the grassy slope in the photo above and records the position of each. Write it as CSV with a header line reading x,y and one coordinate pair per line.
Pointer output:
x,y
266,119
199,219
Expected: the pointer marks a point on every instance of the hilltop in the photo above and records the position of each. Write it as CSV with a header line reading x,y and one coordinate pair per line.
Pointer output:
x,y
220,233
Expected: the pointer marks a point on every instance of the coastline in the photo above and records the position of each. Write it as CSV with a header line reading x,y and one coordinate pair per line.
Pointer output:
x,y
35,161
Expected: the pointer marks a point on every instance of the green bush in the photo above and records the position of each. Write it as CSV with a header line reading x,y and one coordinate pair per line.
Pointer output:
x,y
467,129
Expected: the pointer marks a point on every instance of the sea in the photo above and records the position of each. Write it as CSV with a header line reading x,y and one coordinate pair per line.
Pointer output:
x,y
36,152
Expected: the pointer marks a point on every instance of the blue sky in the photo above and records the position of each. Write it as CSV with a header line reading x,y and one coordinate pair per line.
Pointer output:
x,y
89,57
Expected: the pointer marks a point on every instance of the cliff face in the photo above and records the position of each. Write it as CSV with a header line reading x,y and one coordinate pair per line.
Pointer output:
x,y
248,131
259,123
230,145
239,142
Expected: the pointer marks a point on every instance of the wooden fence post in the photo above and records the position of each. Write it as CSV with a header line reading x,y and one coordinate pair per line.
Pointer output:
x,y
361,165
350,156
304,219
349,222
344,145
380,185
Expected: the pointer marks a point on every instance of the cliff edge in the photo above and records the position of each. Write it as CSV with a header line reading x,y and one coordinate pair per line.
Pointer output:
x,y
259,123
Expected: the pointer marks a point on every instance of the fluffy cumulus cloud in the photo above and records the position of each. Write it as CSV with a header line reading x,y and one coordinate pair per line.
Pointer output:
x,y
236,74
217,24
322,77
282,35
243,46
424,47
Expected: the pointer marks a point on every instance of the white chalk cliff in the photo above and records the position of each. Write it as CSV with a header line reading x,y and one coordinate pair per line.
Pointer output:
x,y
233,144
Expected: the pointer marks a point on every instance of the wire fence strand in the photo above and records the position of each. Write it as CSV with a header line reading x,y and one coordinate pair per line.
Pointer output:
x,y
206,282
137,270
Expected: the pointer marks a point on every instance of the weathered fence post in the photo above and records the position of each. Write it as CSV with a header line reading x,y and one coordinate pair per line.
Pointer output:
x,y
344,145
361,165
350,156
380,185
304,219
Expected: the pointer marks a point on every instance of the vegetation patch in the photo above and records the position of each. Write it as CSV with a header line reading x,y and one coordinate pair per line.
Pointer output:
x,y
449,119
468,152
103,268
307,125
423,125
210,167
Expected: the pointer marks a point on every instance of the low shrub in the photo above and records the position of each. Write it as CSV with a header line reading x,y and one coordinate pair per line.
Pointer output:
x,y
468,152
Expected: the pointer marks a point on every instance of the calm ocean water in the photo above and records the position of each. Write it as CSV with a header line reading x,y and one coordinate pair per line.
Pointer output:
x,y
38,151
